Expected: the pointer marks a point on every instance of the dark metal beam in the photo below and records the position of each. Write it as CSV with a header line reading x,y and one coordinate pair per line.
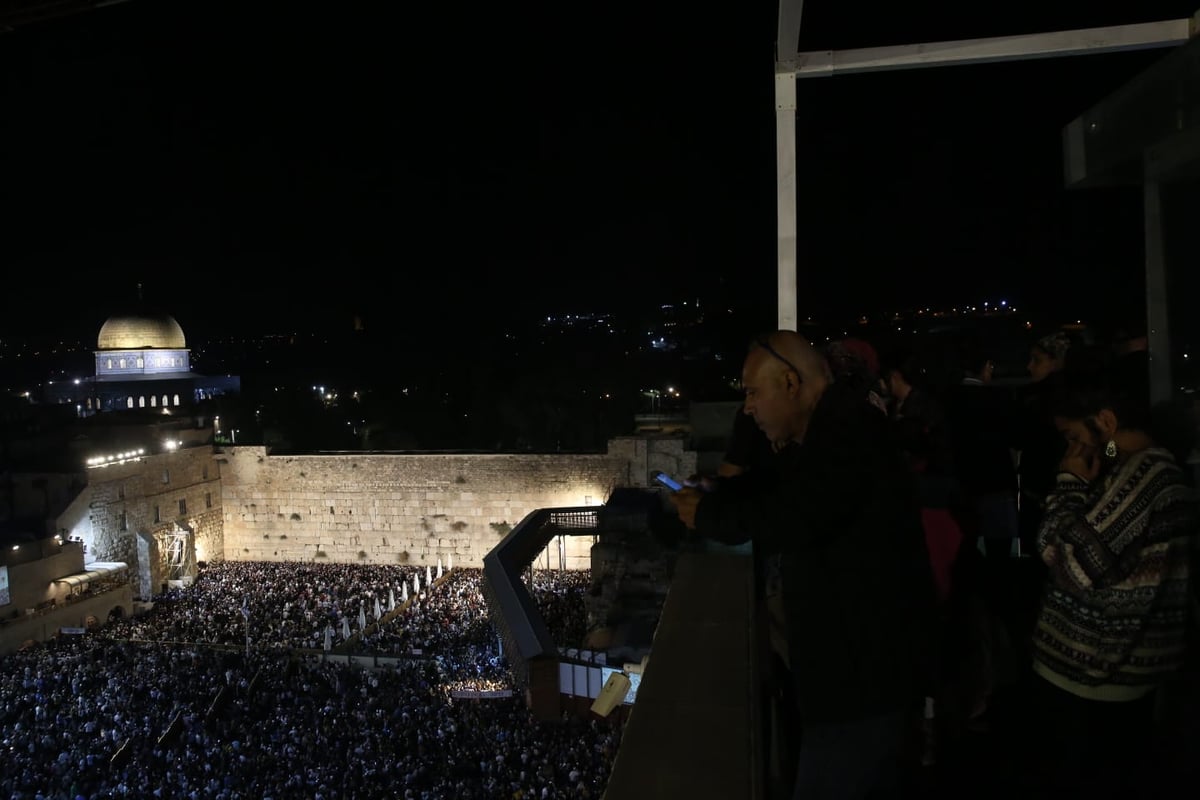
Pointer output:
x,y
18,14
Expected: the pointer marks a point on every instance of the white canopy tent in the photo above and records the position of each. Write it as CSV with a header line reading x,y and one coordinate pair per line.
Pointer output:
x,y
94,571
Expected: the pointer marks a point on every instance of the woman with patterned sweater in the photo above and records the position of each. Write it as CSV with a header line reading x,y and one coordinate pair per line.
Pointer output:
x,y
1116,537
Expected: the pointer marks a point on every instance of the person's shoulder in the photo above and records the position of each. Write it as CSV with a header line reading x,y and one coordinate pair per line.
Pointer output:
x,y
842,399
1153,459
1156,470
844,409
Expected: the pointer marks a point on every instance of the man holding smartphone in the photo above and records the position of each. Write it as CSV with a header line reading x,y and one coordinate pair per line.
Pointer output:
x,y
841,509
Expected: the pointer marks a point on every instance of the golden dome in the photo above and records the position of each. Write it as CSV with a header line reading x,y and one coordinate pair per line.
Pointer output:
x,y
141,331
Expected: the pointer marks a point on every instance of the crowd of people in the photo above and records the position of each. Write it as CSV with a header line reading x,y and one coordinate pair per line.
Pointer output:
x,y
942,555
458,614
938,558
173,704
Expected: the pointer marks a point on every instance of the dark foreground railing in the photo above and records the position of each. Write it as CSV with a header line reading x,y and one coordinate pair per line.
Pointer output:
x,y
695,730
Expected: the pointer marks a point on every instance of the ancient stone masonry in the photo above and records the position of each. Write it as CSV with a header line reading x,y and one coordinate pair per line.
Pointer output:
x,y
148,500
241,503
417,508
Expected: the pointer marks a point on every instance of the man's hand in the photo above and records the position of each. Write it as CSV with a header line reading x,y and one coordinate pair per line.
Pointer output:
x,y
686,500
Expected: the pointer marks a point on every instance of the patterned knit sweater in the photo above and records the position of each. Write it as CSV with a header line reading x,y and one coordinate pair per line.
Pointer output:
x,y
1113,617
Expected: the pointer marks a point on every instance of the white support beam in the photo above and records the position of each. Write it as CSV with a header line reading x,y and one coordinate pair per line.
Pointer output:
x,y
785,198
1157,314
787,32
787,42
1084,41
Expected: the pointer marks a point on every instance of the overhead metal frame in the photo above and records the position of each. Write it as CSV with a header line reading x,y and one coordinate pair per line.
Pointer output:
x,y
1144,134
791,65
1022,47
19,13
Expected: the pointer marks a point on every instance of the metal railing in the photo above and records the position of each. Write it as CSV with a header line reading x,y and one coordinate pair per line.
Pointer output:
x,y
523,633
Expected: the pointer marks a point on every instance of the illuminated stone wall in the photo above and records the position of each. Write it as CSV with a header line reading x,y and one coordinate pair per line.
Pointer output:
x,y
142,497
382,508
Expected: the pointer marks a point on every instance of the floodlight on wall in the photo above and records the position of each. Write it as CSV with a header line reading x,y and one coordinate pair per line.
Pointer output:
x,y
116,458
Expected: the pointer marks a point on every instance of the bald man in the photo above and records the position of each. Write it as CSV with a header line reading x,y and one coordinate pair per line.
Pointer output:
x,y
858,594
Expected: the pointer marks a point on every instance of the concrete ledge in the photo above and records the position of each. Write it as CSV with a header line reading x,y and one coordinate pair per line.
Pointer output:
x,y
694,730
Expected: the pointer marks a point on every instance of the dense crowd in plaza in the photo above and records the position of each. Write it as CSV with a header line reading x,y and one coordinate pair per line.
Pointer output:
x,y
171,703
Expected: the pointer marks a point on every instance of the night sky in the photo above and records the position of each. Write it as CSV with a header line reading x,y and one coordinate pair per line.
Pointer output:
x,y
443,168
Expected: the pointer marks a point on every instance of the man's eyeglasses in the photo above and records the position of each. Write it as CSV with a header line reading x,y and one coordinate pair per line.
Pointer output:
x,y
765,343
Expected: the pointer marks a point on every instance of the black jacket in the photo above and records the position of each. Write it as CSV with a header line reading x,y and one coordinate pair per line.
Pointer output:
x,y
982,423
857,584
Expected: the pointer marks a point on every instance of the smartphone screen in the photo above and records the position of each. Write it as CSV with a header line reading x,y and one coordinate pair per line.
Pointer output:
x,y
668,481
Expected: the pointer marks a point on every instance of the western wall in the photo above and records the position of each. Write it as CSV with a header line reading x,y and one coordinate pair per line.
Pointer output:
x,y
415,508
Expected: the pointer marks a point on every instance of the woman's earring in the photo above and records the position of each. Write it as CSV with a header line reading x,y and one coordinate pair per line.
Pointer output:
x,y
1110,449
